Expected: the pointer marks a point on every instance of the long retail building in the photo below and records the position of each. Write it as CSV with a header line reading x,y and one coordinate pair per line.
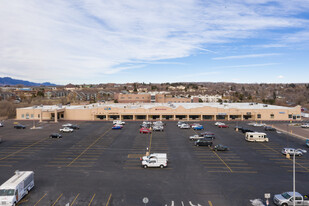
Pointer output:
x,y
161,111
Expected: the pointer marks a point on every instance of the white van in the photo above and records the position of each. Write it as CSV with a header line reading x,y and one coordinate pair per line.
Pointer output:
x,y
15,188
155,162
256,137
155,155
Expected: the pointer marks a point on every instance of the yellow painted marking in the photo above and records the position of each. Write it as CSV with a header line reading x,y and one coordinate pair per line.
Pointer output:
x,y
109,198
85,150
74,200
57,199
223,161
40,199
291,159
91,200
245,172
22,201
135,155
18,151
210,204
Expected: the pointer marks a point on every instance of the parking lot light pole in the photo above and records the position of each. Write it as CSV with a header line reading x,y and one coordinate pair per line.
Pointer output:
x,y
294,178
294,175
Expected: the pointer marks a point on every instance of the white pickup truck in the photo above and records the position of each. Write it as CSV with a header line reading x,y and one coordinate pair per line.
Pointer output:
x,y
66,129
286,199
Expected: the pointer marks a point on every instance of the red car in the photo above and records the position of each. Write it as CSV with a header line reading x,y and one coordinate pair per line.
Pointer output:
x,y
223,126
144,130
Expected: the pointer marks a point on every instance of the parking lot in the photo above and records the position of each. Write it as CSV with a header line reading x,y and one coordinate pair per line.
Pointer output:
x,y
99,166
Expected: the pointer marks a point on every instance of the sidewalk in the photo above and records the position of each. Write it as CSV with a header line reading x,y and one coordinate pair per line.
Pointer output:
x,y
293,131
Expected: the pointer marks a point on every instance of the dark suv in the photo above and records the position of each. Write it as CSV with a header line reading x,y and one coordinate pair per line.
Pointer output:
x,y
19,126
268,128
74,127
244,130
55,135
203,142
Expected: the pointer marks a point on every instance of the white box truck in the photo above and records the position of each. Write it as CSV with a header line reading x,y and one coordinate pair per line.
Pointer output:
x,y
256,137
15,188
155,162
155,155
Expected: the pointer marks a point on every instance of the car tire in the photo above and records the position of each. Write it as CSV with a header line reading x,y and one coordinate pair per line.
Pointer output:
x,y
145,166
284,204
161,166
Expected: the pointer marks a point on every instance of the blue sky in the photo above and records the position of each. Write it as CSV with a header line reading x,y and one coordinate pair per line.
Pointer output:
x,y
96,41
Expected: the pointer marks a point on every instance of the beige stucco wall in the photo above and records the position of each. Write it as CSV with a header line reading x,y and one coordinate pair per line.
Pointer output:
x,y
89,113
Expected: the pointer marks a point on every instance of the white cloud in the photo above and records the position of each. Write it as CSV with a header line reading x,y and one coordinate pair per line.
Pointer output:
x,y
246,56
75,41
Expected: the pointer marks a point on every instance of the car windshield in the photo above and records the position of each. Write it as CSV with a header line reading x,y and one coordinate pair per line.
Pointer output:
x,y
286,195
7,192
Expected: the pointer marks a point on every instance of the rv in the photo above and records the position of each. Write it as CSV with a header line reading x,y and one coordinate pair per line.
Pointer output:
x,y
15,188
256,137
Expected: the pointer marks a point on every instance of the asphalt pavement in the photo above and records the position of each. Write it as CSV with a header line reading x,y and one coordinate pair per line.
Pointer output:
x,y
100,166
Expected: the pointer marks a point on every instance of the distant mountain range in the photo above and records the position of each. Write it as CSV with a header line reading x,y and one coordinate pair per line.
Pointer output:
x,y
10,81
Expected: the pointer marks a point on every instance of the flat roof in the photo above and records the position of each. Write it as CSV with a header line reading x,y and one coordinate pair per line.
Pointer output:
x,y
170,105
15,180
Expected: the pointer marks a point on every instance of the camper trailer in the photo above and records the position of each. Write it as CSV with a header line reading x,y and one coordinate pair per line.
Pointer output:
x,y
256,137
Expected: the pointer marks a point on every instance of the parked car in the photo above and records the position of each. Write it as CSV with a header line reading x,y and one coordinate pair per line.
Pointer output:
x,y
195,125
67,125
207,133
66,129
203,142
259,125
223,126
196,137
19,126
220,147
212,136
145,131
74,126
200,127
158,128
307,142
305,125
1,124
55,135
291,151
185,126
115,127
269,128
158,123
244,130
219,123
119,122
286,199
